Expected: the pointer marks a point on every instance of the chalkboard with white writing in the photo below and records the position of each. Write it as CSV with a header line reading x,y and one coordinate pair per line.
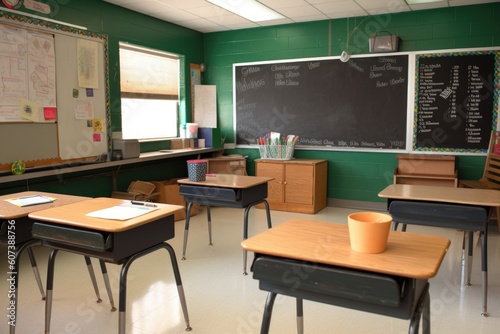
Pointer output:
x,y
456,102
358,104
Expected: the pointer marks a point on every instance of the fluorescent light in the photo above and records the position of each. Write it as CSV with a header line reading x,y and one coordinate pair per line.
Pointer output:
x,y
249,9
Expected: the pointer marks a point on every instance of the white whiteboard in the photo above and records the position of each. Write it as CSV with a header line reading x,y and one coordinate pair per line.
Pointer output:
x,y
78,137
82,115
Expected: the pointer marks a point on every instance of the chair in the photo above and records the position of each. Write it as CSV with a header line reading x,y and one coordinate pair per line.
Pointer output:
x,y
490,178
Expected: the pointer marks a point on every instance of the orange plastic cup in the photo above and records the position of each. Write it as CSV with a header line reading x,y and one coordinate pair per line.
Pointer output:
x,y
369,231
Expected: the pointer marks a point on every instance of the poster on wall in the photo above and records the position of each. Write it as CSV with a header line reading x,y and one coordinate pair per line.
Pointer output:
x,y
205,105
195,75
87,63
30,78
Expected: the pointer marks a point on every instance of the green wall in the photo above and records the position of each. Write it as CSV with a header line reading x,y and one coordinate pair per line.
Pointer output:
x,y
121,25
355,176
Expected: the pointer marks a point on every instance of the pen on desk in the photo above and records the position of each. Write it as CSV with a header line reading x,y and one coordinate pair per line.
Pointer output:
x,y
142,203
210,175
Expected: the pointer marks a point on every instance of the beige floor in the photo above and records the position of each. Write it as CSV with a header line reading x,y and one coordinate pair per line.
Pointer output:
x,y
223,301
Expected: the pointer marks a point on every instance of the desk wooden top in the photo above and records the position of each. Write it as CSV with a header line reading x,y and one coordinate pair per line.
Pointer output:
x,y
11,211
467,196
228,181
75,215
407,254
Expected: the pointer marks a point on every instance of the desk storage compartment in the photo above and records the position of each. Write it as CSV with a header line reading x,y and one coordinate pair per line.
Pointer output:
x,y
22,230
361,290
462,217
112,247
72,236
231,197
221,194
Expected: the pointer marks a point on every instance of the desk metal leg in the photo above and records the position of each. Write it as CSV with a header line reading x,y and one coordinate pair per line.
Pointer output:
x,y
484,270
300,315
209,223
92,278
50,286
36,272
107,284
123,284
422,311
13,278
245,227
186,230
467,259
268,310
178,282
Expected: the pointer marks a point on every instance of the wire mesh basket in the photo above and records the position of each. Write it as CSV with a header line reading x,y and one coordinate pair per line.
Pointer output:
x,y
278,152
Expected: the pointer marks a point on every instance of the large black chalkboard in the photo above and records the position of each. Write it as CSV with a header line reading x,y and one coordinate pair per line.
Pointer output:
x,y
359,104
456,102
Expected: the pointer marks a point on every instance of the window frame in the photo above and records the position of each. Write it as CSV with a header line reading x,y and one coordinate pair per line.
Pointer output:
x,y
152,96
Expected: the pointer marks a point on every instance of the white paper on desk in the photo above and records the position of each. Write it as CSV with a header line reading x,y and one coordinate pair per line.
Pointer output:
x,y
30,200
121,212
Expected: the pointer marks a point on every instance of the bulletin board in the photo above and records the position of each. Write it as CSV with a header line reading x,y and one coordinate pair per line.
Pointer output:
x,y
57,110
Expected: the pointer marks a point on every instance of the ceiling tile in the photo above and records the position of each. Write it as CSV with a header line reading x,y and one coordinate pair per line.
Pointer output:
x,y
188,12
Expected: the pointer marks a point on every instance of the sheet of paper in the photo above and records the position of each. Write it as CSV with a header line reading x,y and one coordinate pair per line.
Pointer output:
x,y
84,109
30,200
122,212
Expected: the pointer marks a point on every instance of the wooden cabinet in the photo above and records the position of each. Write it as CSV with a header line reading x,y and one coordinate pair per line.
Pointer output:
x,y
299,185
432,170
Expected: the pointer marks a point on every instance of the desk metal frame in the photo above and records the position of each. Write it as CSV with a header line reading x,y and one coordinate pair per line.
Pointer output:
x,y
113,241
25,242
225,190
313,260
436,202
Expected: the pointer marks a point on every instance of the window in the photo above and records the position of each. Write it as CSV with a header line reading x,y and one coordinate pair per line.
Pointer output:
x,y
149,84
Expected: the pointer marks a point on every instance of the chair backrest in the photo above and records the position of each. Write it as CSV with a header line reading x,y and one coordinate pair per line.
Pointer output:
x,y
491,173
492,169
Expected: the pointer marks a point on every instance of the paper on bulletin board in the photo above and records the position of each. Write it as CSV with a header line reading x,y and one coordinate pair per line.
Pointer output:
x,y
205,106
87,63
30,75
29,110
84,109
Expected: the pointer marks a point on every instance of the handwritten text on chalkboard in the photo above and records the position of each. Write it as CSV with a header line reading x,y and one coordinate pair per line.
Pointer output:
x,y
360,104
455,101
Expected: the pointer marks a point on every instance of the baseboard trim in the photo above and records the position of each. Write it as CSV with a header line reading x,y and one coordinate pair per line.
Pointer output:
x,y
362,205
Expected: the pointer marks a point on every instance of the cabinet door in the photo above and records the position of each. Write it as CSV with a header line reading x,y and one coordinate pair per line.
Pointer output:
x,y
274,187
299,184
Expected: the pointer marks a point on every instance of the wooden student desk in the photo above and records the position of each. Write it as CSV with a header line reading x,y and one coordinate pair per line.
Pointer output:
x,y
314,260
15,234
227,190
458,208
116,241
